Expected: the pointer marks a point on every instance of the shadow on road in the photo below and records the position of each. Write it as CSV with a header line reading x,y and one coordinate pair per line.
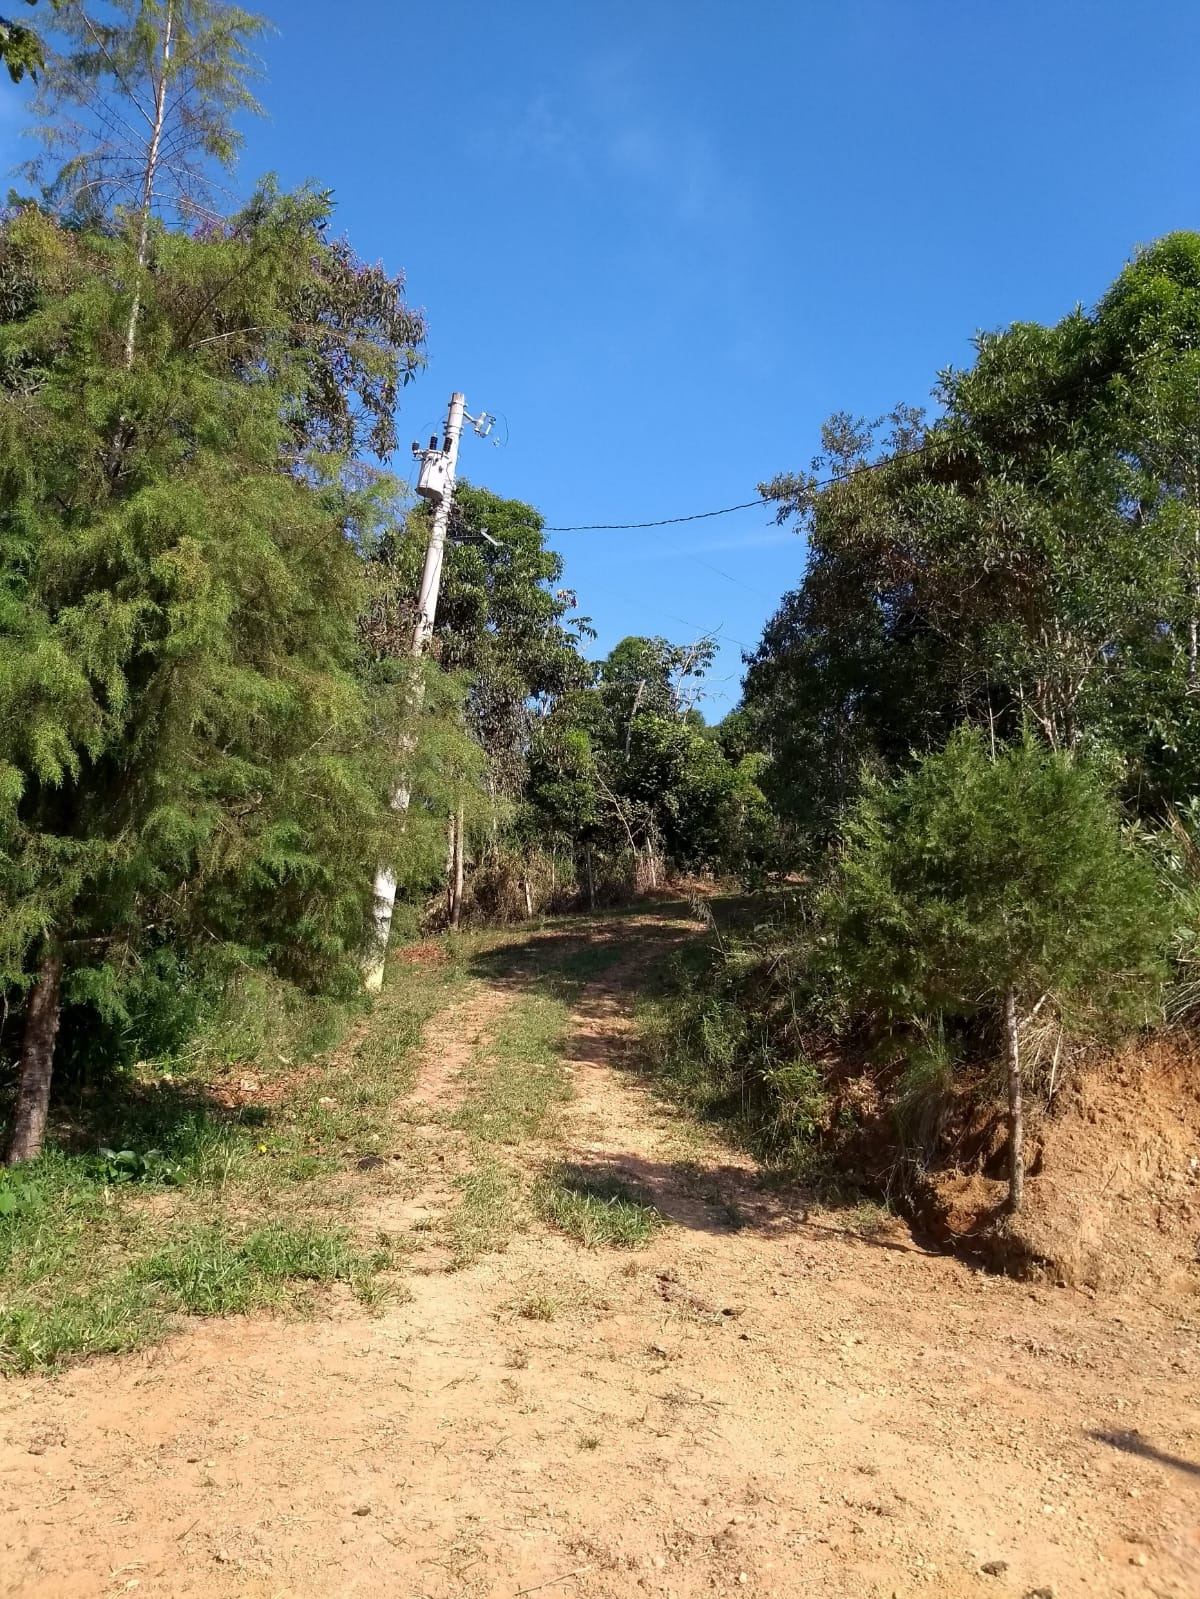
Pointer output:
x,y
1132,1443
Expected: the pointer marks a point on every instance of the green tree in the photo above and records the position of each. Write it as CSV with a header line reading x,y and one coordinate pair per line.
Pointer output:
x,y
976,887
189,747
21,47
1033,555
137,114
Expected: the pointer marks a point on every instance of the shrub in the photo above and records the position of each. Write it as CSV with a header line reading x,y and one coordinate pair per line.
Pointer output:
x,y
983,886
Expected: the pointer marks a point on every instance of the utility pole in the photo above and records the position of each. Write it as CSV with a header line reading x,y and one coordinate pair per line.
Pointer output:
x,y
436,484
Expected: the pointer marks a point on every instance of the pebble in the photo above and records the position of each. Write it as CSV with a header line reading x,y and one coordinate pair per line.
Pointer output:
x,y
994,1568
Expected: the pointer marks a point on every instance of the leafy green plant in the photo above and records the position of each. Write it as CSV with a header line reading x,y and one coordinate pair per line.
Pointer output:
x,y
128,1166
18,1195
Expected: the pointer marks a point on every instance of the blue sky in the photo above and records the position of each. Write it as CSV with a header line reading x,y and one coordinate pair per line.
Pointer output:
x,y
666,239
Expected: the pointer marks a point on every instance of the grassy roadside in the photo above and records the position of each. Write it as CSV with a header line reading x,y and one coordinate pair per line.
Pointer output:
x,y
216,1188
231,1180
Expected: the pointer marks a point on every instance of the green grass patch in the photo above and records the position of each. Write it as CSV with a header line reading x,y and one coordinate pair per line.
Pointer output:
x,y
598,1209
209,1272
250,1198
205,1271
490,1210
518,1079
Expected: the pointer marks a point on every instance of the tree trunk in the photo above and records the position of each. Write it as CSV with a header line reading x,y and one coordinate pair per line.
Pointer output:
x,y
459,830
149,177
1016,1111
528,897
652,868
450,826
591,880
37,1062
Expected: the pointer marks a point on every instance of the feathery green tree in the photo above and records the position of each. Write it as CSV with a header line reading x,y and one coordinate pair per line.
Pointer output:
x,y
189,747
22,48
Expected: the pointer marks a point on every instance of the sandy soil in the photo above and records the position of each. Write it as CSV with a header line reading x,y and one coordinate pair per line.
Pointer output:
x,y
758,1403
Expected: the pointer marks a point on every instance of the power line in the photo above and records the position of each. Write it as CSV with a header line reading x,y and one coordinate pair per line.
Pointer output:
x,y
747,505
666,521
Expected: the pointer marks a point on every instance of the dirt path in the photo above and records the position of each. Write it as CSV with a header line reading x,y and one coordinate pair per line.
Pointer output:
x,y
756,1403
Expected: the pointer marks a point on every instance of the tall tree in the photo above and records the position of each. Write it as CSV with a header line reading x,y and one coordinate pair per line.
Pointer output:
x,y
1032,555
187,739
137,107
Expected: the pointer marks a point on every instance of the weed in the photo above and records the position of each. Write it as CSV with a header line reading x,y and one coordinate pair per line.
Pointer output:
x,y
597,1208
589,1440
538,1307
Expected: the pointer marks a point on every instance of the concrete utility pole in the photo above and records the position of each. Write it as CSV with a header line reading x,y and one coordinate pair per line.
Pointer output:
x,y
436,484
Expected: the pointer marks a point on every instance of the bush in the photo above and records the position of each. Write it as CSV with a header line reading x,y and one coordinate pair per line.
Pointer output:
x,y
982,887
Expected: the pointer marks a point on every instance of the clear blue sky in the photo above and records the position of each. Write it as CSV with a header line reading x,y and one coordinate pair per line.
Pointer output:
x,y
666,239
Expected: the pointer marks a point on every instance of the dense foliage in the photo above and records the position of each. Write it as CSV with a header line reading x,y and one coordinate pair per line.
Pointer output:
x,y
986,677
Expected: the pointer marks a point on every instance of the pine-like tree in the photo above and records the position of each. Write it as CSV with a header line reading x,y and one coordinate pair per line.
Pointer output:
x,y
188,741
980,887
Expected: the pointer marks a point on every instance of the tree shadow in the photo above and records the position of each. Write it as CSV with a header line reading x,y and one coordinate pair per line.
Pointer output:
x,y
177,1118
572,963
562,960
722,1198
1132,1443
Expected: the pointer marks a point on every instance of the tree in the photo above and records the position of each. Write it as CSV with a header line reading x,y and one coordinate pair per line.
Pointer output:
x,y
984,888
1033,556
188,742
138,114
21,47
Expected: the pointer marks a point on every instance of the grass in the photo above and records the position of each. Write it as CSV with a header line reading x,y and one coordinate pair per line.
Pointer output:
x,y
598,1209
513,1089
538,1307
209,1272
205,1271
517,1080
489,1211
201,1206
516,1085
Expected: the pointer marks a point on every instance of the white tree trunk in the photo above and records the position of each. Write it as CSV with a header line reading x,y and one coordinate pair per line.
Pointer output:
x,y
457,865
149,177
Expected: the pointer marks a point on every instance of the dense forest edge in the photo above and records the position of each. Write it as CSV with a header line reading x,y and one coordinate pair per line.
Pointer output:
x,y
943,858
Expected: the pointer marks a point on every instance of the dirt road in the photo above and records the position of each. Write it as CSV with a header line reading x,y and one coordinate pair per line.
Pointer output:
x,y
755,1403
